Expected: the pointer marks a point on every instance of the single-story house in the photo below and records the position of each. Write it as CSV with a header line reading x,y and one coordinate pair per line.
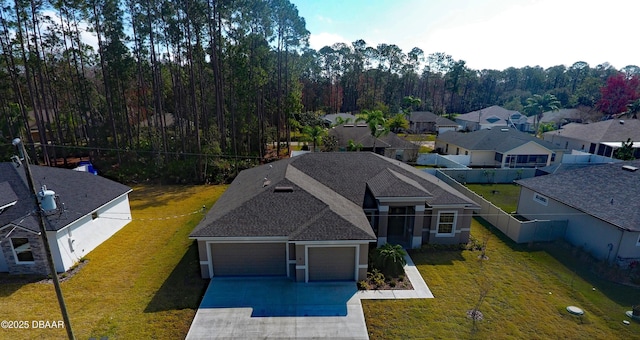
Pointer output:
x,y
494,116
600,138
314,217
499,147
82,211
429,122
389,145
600,203
571,115
333,119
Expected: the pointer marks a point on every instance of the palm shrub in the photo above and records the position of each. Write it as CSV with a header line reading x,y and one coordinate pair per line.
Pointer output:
x,y
389,259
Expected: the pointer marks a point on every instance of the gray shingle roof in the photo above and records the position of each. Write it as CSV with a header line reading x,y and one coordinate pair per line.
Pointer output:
x,y
81,192
7,195
430,117
389,183
360,133
498,139
326,200
607,192
487,112
605,131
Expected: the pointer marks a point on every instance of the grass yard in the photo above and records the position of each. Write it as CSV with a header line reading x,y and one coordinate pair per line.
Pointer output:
x,y
528,292
418,137
504,196
143,283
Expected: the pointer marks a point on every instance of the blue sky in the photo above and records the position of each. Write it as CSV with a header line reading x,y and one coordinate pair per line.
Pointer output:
x,y
491,34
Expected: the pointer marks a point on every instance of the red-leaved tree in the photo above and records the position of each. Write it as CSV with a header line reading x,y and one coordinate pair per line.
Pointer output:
x,y
617,93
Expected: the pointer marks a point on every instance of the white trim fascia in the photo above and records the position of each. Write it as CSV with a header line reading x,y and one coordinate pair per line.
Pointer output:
x,y
403,199
242,239
334,243
19,227
7,205
97,209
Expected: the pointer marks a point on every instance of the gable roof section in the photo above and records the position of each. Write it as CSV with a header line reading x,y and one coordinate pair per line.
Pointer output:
x,y
607,192
389,183
360,133
486,113
500,139
326,200
81,192
612,130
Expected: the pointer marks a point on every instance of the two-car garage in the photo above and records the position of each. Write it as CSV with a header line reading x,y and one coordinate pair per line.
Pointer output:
x,y
315,263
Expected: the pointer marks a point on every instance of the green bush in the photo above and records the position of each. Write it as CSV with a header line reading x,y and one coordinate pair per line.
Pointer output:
x,y
389,259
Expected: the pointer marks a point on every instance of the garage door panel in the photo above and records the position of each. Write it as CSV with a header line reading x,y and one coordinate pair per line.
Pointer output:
x,y
249,259
332,263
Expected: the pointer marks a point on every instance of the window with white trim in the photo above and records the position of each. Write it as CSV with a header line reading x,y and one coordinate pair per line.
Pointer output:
x,y
22,250
446,223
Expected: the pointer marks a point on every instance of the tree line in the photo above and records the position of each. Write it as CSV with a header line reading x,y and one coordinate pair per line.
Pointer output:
x,y
194,90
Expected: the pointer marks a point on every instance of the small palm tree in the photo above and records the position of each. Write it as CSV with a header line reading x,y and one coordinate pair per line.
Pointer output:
x,y
633,109
353,146
538,104
314,134
376,122
389,259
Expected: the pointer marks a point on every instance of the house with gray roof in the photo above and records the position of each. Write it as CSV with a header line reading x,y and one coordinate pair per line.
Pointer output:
x,y
600,138
315,217
429,122
565,116
83,210
333,119
494,116
600,203
499,148
389,145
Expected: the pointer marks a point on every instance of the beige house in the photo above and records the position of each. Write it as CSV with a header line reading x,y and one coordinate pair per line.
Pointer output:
x,y
315,217
499,148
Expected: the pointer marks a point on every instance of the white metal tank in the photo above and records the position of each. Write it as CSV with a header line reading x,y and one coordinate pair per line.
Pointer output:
x,y
47,199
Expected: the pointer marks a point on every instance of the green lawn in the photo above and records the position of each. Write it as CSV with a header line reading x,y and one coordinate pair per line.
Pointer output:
x,y
143,283
504,196
529,290
418,137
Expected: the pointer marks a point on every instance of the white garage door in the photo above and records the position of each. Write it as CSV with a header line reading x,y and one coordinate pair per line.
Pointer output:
x,y
332,263
249,259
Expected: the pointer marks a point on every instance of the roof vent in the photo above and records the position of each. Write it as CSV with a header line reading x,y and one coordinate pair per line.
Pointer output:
x,y
266,182
504,130
348,125
362,125
621,121
283,189
629,168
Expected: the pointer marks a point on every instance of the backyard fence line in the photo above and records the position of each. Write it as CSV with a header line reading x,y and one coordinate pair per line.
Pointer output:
x,y
517,230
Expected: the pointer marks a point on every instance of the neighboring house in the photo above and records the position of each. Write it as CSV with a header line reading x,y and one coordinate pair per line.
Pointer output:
x,y
494,116
89,210
565,116
499,147
333,119
429,122
314,217
389,145
600,138
600,203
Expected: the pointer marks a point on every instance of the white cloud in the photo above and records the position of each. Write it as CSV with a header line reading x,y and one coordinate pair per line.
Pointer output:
x,y
320,40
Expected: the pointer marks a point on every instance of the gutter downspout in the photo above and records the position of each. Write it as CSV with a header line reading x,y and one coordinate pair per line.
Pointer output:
x,y
619,242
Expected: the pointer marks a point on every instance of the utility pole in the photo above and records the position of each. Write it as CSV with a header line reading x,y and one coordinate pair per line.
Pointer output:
x,y
43,232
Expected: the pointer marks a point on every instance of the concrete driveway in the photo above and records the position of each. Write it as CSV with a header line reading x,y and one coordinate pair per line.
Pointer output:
x,y
259,308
